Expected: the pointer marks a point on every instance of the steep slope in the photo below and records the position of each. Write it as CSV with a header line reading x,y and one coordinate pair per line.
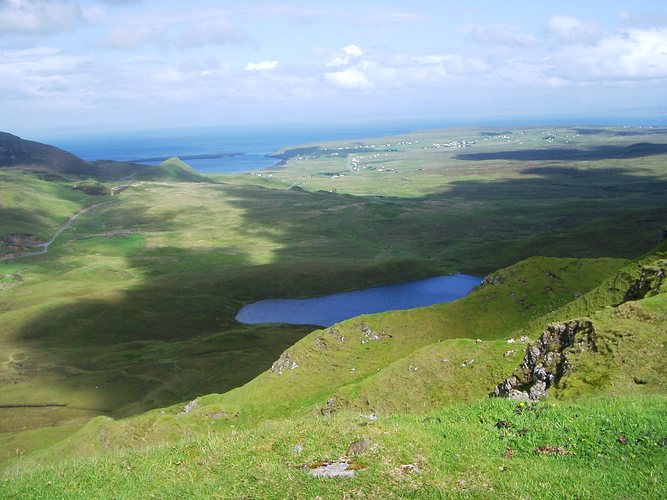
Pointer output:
x,y
485,447
624,351
21,153
317,367
16,152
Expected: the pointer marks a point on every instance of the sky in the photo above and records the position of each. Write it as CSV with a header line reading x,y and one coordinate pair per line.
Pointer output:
x,y
132,64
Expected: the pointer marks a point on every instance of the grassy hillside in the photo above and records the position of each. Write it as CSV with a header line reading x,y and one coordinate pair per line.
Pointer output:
x,y
492,448
30,205
130,316
172,169
485,447
21,153
400,370
166,265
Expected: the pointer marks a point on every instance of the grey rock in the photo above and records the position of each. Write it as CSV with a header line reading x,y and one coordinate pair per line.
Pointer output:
x,y
545,361
518,395
284,363
189,407
333,469
538,391
648,284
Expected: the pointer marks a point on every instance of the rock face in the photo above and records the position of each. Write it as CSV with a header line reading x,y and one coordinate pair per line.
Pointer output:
x,y
648,284
283,363
546,361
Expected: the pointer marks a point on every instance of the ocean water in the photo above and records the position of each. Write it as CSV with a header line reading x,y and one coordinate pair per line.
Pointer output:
x,y
247,145
330,309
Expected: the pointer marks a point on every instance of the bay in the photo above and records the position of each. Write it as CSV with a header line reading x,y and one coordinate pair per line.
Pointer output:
x,y
242,148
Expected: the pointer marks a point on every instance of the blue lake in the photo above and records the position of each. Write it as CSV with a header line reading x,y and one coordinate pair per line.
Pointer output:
x,y
330,309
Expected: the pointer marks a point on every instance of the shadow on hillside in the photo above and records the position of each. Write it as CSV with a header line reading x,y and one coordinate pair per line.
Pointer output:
x,y
620,133
174,336
20,218
571,154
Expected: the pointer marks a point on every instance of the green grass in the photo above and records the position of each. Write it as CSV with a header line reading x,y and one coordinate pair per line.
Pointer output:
x,y
407,370
172,169
133,307
30,205
612,449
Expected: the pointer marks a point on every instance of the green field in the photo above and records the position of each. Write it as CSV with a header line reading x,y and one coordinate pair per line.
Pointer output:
x,y
132,309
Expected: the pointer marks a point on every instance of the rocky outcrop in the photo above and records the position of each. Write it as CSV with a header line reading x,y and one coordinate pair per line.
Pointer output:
x,y
648,284
283,363
491,280
189,407
546,360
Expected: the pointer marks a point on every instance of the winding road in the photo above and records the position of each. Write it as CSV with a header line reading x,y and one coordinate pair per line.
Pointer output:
x,y
44,247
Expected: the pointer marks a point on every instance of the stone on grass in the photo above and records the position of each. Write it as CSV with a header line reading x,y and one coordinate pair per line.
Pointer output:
x,y
338,468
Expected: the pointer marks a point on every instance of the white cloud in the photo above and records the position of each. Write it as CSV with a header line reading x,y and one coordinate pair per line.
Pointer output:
x,y
629,55
344,57
353,51
38,17
350,79
46,77
262,66
568,29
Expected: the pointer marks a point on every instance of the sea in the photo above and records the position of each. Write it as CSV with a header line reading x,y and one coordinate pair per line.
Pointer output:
x,y
227,149
244,148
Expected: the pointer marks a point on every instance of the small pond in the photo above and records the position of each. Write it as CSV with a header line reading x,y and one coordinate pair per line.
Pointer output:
x,y
330,309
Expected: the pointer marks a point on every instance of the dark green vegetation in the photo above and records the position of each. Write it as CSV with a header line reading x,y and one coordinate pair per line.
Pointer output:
x,y
17,152
132,309
52,163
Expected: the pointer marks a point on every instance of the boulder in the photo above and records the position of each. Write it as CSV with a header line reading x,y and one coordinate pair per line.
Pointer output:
x,y
283,363
545,361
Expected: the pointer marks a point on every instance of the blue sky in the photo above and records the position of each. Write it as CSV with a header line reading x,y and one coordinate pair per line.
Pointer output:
x,y
128,64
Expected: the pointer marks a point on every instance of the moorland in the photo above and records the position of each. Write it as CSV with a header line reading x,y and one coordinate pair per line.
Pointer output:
x,y
130,315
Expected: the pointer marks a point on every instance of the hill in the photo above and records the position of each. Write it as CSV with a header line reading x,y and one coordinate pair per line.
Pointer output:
x,y
20,153
172,169
421,424
124,372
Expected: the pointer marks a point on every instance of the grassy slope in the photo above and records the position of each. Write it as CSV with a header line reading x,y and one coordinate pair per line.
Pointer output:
x,y
29,205
458,449
172,169
163,249
326,363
